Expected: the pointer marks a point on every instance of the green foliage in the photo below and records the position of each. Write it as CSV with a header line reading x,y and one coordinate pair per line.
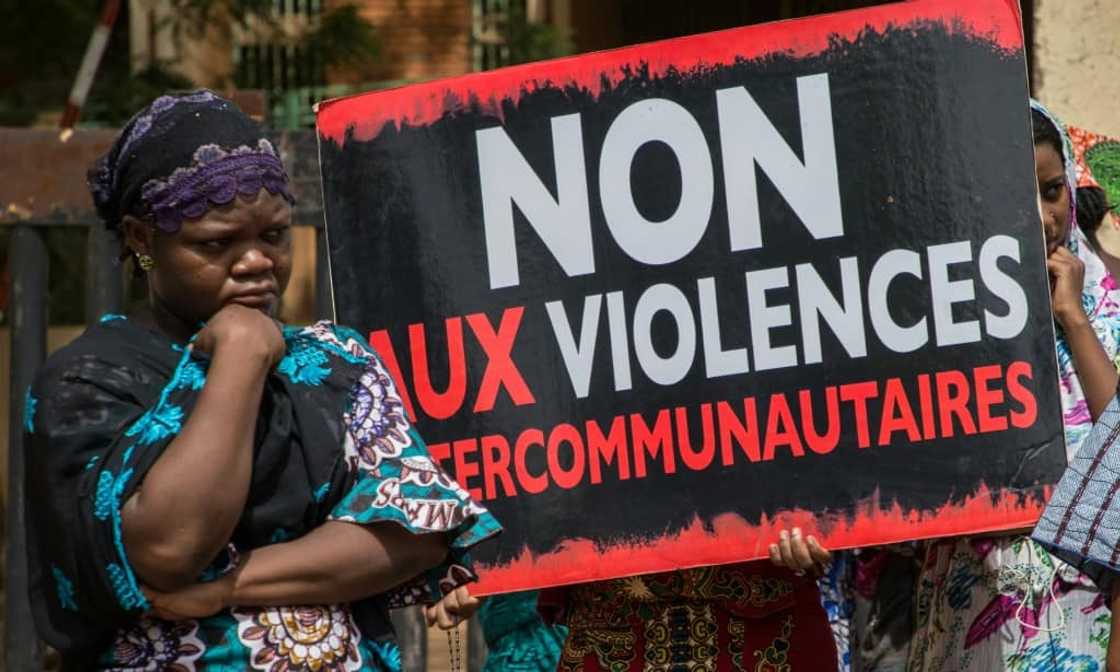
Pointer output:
x,y
196,15
1104,161
41,45
41,48
119,94
529,41
344,38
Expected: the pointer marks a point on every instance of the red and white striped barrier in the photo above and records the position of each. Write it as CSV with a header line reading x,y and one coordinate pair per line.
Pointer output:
x,y
82,83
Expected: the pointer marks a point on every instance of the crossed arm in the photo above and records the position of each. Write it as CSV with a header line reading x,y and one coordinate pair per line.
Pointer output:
x,y
175,525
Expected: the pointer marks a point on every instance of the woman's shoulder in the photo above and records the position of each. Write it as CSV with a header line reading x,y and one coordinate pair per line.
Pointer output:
x,y
113,351
323,351
331,337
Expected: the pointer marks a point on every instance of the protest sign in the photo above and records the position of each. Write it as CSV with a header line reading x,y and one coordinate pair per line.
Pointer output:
x,y
652,303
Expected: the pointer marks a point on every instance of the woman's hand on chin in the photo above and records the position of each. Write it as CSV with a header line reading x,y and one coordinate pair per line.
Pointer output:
x,y
251,332
1067,278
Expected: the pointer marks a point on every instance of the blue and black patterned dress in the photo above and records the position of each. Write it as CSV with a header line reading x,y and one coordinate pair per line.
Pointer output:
x,y
517,638
332,443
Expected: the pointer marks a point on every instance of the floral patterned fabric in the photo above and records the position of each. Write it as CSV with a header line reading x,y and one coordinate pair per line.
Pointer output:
x,y
1098,162
288,639
1004,603
748,617
332,444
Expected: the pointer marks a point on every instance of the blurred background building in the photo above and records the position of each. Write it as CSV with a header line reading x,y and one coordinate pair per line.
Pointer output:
x,y
298,51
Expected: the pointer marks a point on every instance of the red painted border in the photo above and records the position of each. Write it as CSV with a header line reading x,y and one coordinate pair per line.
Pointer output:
x,y
733,539
995,20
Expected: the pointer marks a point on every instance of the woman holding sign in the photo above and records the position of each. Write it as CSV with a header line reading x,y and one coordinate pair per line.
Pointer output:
x,y
209,488
1005,603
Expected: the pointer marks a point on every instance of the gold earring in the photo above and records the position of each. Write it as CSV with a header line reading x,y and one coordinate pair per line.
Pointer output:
x,y
146,262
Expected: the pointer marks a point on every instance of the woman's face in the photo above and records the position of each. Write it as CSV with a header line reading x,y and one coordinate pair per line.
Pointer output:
x,y
1051,174
240,253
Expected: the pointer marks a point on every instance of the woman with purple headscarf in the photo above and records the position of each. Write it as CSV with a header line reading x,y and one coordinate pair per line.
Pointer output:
x,y
210,489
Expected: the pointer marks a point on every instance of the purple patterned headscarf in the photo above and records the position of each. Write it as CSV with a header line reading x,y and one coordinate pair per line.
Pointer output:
x,y
181,156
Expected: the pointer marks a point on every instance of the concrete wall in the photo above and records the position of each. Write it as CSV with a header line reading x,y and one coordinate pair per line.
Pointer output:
x,y
41,177
1077,61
